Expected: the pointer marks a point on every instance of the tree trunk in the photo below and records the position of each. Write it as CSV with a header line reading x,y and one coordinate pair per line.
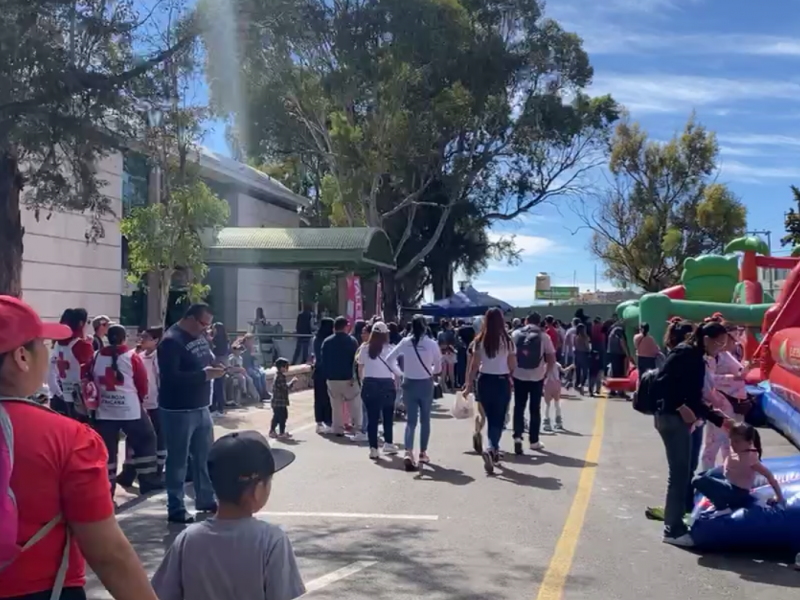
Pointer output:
x,y
11,231
389,296
442,277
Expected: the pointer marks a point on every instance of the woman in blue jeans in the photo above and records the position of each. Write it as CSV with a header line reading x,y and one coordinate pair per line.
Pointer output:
x,y
494,360
421,361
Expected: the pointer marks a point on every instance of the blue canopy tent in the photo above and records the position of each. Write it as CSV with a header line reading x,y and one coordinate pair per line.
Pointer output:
x,y
468,302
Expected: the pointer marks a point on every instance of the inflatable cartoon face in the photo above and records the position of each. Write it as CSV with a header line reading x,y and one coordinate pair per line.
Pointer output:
x,y
710,278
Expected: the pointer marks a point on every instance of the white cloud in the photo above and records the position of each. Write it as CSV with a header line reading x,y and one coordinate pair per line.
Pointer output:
x,y
530,245
759,139
663,93
754,174
742,151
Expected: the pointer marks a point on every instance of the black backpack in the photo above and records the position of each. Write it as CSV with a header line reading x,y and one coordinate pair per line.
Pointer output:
x,y
647,398
529,347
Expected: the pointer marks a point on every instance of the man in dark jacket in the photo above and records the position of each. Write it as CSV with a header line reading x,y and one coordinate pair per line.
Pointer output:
x,y
304,329
186,371
339,352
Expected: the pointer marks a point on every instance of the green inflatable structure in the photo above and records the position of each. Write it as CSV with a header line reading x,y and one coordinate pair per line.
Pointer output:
x,y
710,284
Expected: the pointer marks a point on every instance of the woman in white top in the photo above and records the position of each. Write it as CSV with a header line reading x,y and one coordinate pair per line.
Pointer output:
x,y
494,360
421,361
378,377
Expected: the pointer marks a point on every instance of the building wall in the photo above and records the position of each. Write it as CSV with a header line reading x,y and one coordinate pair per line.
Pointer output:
x,y
60,269
276,291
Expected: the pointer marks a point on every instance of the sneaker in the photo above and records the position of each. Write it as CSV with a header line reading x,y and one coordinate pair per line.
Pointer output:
x,y
390,449
273,435
359,437
424,458
285,436
181,518
374,454
321,428
559,423
215,414
654,513
409,463
682,541
488,462
518,446
537,446
497,456
547,427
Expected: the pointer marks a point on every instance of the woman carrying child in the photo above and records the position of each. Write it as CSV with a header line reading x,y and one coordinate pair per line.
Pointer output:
x,y
379,379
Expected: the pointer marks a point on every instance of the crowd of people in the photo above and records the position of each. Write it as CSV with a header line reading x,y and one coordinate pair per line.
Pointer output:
x,y
58,472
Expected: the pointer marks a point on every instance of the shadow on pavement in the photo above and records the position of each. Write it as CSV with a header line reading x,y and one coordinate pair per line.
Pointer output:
x,y
771,571
548,457
503,473
438,473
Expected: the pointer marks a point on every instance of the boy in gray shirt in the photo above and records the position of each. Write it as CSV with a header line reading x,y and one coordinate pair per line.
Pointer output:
x,y
234,556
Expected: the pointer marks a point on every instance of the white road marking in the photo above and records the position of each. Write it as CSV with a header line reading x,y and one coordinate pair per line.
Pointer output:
x,y
338,575
339,515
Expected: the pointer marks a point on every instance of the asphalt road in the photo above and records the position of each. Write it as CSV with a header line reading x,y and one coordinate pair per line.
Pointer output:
x,y
564,523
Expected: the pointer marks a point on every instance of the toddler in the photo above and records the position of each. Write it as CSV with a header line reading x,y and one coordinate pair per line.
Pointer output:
x,y
730,490
280,400
552,395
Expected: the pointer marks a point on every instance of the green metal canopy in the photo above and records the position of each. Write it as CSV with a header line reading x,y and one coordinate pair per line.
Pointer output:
x,y
301,248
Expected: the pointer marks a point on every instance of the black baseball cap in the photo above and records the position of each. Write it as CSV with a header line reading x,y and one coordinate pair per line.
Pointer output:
x,y
240,458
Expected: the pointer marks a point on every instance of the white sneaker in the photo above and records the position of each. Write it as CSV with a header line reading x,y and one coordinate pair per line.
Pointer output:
x,y
390,449
537,446
359,437
373,454
683,541
322,428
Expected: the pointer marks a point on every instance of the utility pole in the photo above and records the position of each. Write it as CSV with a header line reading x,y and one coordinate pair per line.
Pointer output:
x,y
770,271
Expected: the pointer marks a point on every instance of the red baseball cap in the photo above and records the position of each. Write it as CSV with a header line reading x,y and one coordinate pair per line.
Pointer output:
x,y
19,324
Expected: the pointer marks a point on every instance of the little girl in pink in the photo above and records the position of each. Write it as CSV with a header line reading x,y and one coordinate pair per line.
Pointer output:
x,y
723,379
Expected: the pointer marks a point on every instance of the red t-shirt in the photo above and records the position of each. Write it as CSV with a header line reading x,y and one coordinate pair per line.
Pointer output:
x,y
551,331
60,466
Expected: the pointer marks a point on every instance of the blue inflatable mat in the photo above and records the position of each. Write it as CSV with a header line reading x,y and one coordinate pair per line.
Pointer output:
x,y
757,527
781,415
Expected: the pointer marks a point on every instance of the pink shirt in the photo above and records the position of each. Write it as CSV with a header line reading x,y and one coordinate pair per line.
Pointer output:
x,y
739,469
646,346
727,366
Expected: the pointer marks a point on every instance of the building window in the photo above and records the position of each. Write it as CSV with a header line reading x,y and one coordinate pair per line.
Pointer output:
x,y
135,174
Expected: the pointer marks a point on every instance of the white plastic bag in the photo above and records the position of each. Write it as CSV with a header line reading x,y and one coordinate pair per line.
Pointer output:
x,y
463,407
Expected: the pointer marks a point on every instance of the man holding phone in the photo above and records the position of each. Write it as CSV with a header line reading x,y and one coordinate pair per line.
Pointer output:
x,y
187,368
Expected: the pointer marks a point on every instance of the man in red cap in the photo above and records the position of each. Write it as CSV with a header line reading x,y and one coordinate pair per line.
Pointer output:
x,y
58,477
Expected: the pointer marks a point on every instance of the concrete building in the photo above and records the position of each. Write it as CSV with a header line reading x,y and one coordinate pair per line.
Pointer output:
x,y
61,269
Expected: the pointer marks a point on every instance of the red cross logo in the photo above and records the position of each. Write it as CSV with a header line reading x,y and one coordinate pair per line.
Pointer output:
x,y
110,379
62,365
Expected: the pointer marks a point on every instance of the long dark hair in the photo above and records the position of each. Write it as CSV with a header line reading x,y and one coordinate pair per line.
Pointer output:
x,y
677,332
394,333
358,327
116,337
645,329
376,343
325,328
710,328
220,339
418,329
493,333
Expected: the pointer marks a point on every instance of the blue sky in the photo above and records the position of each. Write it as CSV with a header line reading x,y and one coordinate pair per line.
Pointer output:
x,y
735,63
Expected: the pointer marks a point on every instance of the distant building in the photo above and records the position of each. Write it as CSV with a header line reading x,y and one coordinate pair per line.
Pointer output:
x,y
61,269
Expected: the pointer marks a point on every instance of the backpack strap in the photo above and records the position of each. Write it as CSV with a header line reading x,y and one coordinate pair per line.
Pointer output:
x,y
61,574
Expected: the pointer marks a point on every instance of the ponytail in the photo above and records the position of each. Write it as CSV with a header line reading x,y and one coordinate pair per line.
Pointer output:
x,y
116,337
418,329
677,332
710,328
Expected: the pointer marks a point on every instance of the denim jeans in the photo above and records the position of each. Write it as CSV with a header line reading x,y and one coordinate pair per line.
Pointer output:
x,y
378,396
260,381
721,492
494,394
418,397
678,445
527,393
187,433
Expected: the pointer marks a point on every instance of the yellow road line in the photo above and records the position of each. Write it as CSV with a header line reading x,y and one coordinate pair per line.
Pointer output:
x,y
555,578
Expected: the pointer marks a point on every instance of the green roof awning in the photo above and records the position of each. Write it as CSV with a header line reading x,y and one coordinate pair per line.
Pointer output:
x,y
301,248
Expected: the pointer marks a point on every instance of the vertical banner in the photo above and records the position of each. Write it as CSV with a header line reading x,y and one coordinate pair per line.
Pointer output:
x,y
379,299
355,306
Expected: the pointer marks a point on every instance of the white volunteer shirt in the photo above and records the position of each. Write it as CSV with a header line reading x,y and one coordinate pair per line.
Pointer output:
x,y
151,366
118,401
68,370
429,356
497,364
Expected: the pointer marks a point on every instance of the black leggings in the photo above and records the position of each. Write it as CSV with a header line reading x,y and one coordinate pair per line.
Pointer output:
x,y
378,396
